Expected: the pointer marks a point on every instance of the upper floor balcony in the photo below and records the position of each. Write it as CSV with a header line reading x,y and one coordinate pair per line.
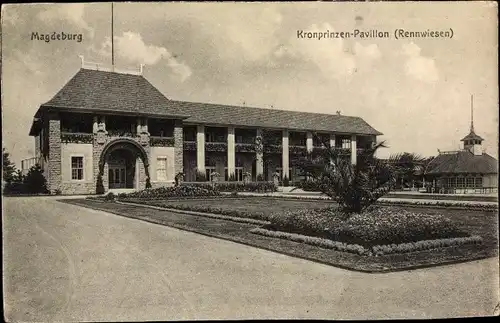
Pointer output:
x,y
85,128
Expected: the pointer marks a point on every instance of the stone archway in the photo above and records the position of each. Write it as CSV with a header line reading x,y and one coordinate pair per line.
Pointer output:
x,y
130,151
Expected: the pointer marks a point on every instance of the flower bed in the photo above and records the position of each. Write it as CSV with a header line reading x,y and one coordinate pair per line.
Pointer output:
x,y
376,226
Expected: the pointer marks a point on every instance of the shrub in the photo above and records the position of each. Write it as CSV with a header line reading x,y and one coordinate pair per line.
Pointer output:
x,y
148,182
34,181
110,197
201,176
179,178
260,178
286,181
174,192
261,187
57,192
99,185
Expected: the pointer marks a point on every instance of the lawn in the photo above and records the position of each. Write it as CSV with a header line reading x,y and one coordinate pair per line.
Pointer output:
x,y
260,208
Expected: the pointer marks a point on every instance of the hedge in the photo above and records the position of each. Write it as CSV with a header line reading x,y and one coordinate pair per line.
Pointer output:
x,y
260,187
378,250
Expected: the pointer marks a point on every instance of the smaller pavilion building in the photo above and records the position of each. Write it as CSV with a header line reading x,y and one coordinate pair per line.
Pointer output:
x,y
465,171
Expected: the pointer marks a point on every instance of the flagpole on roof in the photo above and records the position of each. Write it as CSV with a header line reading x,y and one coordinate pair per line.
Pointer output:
x,y
112,41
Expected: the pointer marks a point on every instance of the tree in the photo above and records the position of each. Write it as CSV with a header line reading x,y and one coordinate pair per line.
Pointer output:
x,y
34,182
9,168
353,187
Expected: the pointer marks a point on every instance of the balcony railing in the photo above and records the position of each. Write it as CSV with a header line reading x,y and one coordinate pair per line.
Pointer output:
x,y
189,145
121,133
298,149
157,141
77,137
244,147
216,146
272,149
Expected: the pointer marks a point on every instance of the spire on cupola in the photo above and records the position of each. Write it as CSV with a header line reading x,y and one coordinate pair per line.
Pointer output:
x,y
472,142
471,113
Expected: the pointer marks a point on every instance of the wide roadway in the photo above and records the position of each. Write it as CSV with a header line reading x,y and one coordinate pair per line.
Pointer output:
x,y
67,263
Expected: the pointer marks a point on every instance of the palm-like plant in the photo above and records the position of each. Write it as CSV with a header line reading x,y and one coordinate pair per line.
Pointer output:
x,y
407,166
353,187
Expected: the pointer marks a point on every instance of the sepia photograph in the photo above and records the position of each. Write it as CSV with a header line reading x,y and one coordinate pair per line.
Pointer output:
x,y
171,161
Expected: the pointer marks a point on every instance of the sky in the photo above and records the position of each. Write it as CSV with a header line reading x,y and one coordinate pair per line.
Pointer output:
x,y
416,91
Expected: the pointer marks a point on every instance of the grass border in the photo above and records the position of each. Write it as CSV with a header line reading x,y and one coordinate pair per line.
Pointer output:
x,y
375,251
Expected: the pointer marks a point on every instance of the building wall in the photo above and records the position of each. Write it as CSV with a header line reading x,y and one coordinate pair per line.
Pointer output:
x,y
490,180
69,186
170,154
54,149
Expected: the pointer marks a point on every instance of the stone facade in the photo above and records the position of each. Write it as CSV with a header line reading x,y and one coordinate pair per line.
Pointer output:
x,y
54,147
178,147
149,151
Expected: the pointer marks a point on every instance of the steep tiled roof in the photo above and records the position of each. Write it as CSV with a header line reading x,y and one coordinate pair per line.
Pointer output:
x,y
462,162
92,90
107,91
271,118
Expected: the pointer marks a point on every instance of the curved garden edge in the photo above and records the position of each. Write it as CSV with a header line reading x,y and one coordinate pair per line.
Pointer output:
x,y
375,251
204,214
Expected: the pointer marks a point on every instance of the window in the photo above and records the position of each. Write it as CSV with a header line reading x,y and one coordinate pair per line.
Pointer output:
x,y
76,168
460,182
238,174
470,181
346,143
161,169
479,182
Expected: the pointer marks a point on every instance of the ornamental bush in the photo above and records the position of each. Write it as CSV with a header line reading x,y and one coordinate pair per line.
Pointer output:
x,y
181,191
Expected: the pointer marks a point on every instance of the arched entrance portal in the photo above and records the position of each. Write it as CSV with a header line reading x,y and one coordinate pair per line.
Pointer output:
x,y
122,169
123,164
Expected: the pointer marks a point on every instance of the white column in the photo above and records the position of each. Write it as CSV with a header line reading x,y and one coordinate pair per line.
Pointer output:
x,y
309,141
332,144
259,164
138,125
200,149
332,140
353,150
145,125
95,125
285,159
230,152
103,121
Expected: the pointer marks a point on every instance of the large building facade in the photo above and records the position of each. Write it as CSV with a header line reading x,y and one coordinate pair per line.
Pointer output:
x,y
116,130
